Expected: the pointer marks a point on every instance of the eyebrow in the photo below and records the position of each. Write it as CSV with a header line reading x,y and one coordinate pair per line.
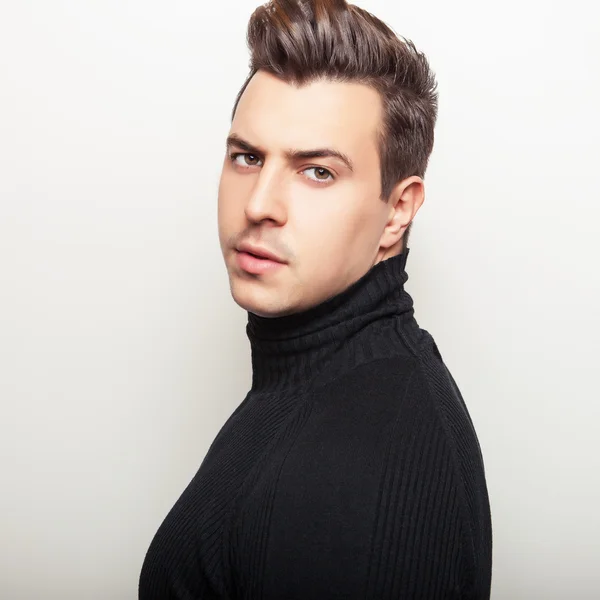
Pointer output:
x,y
291,154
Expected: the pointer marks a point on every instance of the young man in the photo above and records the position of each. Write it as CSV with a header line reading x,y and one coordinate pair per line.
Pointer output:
x,y
351,469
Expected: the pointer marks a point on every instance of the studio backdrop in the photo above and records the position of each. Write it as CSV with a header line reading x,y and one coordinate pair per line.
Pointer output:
x,y
122,353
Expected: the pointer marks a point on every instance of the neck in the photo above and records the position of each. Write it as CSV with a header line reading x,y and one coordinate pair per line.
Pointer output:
x,y
370,319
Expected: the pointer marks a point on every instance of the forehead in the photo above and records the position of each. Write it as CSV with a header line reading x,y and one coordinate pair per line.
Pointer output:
x,y
274,114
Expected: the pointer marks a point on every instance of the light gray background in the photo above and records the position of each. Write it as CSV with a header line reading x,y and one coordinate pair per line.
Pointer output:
x,y
122,354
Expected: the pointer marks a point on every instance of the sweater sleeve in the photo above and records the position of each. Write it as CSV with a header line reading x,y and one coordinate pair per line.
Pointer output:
x,y
421,536
433,536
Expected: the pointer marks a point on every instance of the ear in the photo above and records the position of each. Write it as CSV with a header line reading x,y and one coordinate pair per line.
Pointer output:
x,y
405,200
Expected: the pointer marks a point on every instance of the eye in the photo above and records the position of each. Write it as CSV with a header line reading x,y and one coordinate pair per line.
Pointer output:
x,y
249,160
322,175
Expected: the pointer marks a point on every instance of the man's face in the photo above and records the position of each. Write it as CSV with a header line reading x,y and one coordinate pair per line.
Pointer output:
x,y
319,218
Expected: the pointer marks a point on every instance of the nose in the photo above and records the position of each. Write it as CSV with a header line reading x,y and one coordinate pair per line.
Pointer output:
x,y
266,202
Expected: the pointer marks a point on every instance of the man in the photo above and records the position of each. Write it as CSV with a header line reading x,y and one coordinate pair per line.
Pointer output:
x,y
351,469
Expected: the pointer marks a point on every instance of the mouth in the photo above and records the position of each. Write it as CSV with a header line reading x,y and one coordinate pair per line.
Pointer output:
x,y
258,252
257,262
257,255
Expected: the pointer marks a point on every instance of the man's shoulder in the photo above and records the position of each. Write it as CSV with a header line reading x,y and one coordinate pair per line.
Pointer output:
x,y
417,412
410,378
418,392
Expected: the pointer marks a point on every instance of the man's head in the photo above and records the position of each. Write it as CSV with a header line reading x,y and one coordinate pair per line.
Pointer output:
x,y
329,142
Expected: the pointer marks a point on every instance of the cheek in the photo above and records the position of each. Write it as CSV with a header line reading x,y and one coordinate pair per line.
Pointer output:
x,y
335,221
228,211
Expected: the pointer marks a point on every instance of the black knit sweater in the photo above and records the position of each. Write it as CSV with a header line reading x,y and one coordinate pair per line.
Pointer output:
x,y
351,470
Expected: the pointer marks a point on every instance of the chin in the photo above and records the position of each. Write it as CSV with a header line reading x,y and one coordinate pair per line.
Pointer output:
x,y
258,301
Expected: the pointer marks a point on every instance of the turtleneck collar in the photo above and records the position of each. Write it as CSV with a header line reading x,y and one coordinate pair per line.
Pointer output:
x,y
335,335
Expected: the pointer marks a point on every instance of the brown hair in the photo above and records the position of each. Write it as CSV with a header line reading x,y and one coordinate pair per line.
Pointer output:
x,y
300,41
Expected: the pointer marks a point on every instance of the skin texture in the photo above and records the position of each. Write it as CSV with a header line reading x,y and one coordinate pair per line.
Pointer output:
x,y
325,221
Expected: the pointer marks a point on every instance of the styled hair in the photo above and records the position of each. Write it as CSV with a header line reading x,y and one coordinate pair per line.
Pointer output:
x,y
301,41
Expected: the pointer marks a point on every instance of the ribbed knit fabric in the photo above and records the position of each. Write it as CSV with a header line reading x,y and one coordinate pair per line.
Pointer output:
x,y
351,470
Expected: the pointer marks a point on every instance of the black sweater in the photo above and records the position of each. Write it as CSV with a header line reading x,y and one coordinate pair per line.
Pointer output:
x,y
351,470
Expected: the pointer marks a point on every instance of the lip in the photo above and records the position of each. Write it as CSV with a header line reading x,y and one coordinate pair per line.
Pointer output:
x,y
256,266
257,261
261,253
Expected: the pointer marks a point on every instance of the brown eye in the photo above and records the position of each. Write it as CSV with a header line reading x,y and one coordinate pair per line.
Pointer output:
x,y
320,174
247,160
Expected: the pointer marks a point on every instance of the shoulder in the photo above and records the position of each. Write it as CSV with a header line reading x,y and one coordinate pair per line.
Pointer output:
x,y
431,445
433,492
419,410
418,387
